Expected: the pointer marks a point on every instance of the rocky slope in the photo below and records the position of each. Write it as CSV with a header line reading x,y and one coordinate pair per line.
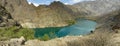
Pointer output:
x,y
20,10
97,8
95,39
53,15
6,19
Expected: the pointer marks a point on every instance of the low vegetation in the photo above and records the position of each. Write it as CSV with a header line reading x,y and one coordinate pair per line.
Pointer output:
x,y
14,32
71,22
48,36
96,39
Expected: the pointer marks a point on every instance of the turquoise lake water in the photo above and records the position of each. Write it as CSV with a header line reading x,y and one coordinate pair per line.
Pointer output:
x,y
82,27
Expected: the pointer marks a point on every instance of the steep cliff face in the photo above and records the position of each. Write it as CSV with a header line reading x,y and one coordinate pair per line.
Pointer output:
x,y
5,18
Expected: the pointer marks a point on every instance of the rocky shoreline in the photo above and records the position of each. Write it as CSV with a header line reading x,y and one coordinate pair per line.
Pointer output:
x,y
111,39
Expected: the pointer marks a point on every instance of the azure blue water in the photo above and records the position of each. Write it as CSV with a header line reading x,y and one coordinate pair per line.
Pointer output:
x,y
81,27
40,32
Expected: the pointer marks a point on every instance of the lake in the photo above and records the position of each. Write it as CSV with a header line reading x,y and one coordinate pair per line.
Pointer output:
x,y
81,27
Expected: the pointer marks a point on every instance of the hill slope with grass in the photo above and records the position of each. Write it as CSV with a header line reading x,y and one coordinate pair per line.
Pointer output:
x,y
9,28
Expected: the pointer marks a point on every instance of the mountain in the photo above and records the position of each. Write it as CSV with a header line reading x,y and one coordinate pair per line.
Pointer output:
x,y
57,14
19,10
53,15
97,8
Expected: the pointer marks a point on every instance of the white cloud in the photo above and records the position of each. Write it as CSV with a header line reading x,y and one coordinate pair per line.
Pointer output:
x,y
57,0
66,3
29,3
75,1
36,4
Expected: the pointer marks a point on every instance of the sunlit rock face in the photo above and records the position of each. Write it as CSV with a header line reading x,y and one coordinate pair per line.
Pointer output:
x,y
98,7
6,19
20,10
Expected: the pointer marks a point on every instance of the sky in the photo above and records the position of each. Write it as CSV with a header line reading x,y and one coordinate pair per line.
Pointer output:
x,y
47,2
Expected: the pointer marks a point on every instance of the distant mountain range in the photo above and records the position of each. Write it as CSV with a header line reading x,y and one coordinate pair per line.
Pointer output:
x,y
57,14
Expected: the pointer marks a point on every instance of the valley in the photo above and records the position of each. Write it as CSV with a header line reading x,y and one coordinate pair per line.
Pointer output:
x,y
87,23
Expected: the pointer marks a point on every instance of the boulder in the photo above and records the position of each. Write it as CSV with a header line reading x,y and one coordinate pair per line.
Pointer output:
x,y
17,41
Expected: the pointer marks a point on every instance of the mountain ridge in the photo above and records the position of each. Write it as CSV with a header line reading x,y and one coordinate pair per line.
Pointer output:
x,y
54,15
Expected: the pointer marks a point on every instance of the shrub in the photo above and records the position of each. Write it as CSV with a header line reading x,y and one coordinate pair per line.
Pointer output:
x,y
71,22
50,35
45,37
27,33
14,32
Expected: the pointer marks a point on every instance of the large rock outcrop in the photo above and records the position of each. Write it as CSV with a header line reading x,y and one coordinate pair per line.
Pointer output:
x,y
6,19
20,10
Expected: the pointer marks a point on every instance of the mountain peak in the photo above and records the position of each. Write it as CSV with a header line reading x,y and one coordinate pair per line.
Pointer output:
x,y
56,4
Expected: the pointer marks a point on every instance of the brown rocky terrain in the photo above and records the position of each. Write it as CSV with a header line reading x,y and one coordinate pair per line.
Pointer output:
x,y
56,14
53,15
6,19
97,8
19,9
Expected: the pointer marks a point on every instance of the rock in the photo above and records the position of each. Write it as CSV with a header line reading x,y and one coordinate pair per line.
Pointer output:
x,y
6,19
54,42
13,42
32,42
17,41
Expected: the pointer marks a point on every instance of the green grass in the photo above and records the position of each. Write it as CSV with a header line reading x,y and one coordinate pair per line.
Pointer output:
x,y
14,32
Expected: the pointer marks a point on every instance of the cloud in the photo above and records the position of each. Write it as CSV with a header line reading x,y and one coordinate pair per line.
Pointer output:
x,y
36,4
57,0
66,3
75,1
29,3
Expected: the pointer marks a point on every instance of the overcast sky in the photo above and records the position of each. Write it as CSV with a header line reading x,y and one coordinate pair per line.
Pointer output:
x,y
47,2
